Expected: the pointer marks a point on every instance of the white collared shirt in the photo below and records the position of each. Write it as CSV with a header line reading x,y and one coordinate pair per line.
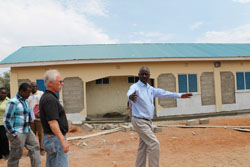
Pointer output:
x,y
32,101
144,106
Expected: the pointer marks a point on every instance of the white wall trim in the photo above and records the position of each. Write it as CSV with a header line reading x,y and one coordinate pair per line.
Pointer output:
x,y
187,106
75,117
67,62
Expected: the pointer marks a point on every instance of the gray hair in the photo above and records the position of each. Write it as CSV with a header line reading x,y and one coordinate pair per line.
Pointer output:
x,y
50,75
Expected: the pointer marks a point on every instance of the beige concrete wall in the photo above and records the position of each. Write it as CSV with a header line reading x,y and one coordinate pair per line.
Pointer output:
x,y
91,72
107,98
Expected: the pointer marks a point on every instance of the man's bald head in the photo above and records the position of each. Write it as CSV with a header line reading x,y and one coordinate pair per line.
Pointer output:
x,y
144,74
144,68
33,87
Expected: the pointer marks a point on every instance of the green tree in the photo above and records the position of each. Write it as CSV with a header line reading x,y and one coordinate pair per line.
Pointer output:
x,y
5,81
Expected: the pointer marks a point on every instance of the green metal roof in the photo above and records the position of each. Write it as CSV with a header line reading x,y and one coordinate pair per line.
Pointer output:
x,y
31,54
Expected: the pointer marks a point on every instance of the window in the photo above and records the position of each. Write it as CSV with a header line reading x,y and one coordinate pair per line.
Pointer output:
x,y
102,81
187,83
243,80
133,79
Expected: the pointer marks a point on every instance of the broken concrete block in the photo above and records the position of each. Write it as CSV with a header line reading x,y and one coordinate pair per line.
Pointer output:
x,y
191,122
69,122
126,124
116,125
81,144
153,126
109,126
204,121
104,140
131,127
156,129
76,122
102,127
193,133
125,128
114,163
88,127
96,126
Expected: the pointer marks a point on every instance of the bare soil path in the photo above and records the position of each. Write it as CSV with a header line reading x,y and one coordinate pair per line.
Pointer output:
x,y
180,147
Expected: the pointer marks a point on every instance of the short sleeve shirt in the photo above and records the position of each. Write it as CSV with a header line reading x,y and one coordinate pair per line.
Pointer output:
x,y
2,109
51,109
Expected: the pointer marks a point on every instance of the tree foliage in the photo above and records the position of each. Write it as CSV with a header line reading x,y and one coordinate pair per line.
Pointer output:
x,y
5,81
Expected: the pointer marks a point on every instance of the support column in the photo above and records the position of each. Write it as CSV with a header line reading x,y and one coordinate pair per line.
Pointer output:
x,y
217,86
84,111
13,84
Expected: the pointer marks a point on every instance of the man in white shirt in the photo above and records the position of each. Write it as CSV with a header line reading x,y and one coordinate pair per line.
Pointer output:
x,y
33,102
141,96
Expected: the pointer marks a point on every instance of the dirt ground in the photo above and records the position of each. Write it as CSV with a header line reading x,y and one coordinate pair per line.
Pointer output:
x,y
180,147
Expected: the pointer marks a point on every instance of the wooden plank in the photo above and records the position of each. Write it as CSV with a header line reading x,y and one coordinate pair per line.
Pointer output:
x,y
103,121
204,126
95,134
242,130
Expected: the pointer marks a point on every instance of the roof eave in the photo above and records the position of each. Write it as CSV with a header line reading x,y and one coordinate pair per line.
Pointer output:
x,y
95,61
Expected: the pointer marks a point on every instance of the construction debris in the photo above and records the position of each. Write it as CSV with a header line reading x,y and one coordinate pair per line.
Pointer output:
x,y
88,127
76,122
95,134
125,128
204,121
191,122
109,126
97,126
82,144
242,130
103,121
156,129
202,126
69,122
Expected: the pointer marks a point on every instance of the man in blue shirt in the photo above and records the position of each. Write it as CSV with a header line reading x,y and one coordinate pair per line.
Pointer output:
x,y
141,96
16,122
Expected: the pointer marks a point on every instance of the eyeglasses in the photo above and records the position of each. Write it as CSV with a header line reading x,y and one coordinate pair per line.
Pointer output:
x,y
61,82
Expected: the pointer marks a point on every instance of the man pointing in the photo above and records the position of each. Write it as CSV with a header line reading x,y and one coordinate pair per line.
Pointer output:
x,y
142,95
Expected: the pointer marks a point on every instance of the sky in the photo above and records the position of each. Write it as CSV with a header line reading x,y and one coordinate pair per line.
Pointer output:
x,y
78,22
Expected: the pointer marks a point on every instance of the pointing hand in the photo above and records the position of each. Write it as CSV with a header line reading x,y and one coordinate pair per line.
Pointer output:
x,y
133,97
186,95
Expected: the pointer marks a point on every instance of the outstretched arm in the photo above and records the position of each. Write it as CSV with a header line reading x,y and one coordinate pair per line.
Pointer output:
x,y
158,92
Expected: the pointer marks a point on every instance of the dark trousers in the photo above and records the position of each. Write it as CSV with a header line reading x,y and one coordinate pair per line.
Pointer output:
x,y
4,148
27,140
36,127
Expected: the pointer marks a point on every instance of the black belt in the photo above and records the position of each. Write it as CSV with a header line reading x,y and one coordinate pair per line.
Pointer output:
x,y
51,135
146,119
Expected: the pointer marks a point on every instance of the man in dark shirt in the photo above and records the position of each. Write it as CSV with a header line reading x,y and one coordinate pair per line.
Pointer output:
x,y
54,122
